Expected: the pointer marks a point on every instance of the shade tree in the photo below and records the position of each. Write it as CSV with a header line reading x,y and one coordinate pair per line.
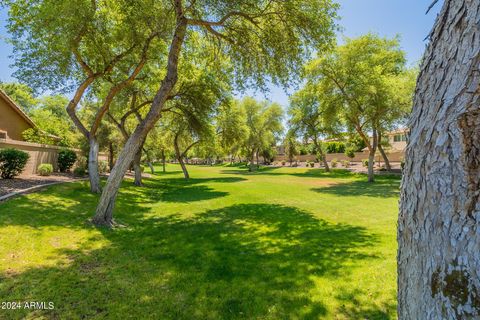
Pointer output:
x,y
360,77
82,44
264,40
263,123
313,117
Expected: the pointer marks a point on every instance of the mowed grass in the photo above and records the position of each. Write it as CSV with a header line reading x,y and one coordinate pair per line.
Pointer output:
x,y
284,243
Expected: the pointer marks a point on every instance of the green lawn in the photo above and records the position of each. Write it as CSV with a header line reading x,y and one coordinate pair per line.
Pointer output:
x,y
277,244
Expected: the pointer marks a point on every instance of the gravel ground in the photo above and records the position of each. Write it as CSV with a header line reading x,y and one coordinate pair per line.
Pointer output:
x,y
27,181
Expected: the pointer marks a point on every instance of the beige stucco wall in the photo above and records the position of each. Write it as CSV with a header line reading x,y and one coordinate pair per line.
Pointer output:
x,y
359,156
11,121
39,153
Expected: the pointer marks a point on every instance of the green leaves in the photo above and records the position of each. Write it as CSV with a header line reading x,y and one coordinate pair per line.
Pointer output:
x,y
363,77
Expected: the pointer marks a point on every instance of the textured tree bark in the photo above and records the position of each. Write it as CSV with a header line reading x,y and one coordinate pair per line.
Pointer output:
x,y
439,219
382,152
104,212
138,168
93,173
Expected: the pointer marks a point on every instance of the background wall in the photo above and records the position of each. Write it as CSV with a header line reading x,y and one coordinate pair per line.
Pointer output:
x,y
40,153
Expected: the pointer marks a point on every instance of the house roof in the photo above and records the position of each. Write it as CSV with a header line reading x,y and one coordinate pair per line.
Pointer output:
x,y
16,108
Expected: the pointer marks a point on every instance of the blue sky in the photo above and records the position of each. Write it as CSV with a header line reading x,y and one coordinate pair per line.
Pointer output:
x,y
385,17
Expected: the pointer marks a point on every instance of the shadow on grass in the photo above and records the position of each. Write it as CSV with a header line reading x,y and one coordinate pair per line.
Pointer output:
x,y
334,173
78,204
239,262
382,187
352,308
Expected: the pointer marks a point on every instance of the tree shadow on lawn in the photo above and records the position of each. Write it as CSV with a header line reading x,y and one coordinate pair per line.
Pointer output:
x,y
239,262
184,190
382,187
313,173
78,204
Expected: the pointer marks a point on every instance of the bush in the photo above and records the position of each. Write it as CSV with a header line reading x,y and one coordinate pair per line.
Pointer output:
x,y
12,162
346,163
312,164
66,159
365,162
79,172
334,163
350,153
335,147
45,169
102,167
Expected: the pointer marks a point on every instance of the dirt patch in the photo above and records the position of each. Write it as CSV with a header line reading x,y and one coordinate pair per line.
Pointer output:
x,y
27,181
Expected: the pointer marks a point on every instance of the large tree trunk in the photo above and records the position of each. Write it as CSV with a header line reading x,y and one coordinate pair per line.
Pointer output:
x,y
438,226
371,156
93,173
104,212
137,167
382,152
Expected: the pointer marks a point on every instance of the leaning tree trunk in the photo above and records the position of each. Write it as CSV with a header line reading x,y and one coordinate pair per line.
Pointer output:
x,y
439,220
152,168
382,152
137,167
180,158
93,173
186,175
104,212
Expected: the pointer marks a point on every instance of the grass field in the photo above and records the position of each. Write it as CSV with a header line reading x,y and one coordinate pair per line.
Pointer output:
x,y
286,243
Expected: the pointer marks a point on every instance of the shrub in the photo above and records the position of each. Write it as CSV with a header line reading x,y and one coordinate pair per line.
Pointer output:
x,y
12,162
350,152
346,163
79,171
102,167
334,163
66,159
45,169
312,164
335,147
365,162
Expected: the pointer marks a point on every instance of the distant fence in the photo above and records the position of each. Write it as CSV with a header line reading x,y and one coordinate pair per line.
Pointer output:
x,y
359,156
40,153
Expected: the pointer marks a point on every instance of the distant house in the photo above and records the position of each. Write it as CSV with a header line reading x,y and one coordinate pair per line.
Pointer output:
x,y
13,121
397,140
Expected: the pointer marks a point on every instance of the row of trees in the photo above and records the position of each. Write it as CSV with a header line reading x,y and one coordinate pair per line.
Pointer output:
x,y
362,87
103,49
159,84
